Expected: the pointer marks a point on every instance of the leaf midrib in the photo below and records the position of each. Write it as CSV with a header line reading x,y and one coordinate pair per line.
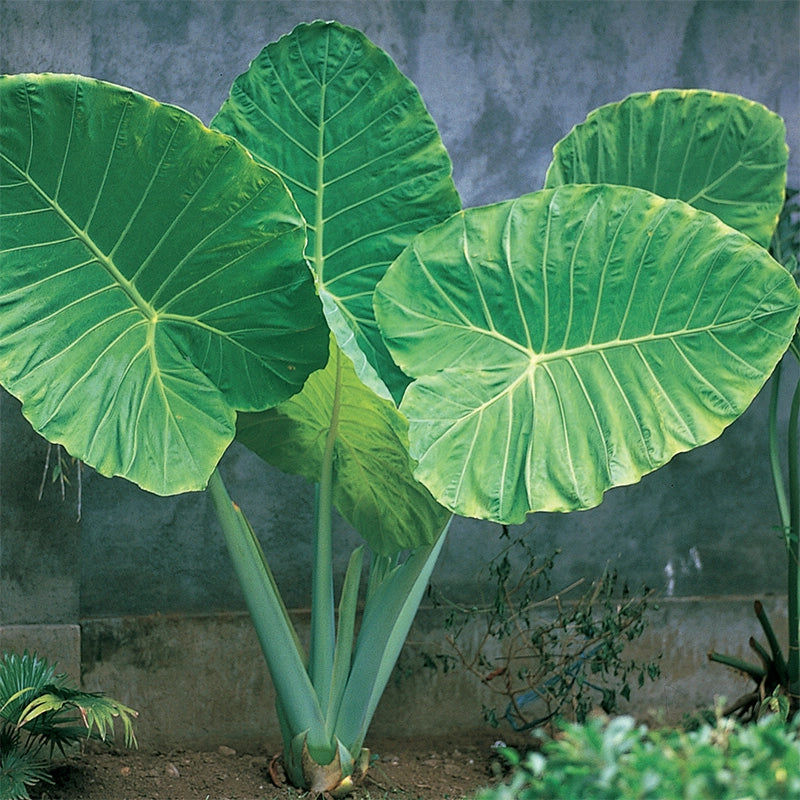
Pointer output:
x,y
102,258
536,358
148,311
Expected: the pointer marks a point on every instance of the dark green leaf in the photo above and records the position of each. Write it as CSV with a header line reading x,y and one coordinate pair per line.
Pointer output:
x,y
354,142
151,280
374,488
719,152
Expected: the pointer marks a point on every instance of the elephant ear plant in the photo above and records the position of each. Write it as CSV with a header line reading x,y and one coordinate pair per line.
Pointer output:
x,y
301,276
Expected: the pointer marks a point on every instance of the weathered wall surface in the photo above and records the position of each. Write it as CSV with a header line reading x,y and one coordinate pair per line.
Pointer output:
x,y
504,81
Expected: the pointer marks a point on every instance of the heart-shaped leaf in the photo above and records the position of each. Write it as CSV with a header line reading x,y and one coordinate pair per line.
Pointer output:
x,y
575,339
354,142
375,489
719,152
152,280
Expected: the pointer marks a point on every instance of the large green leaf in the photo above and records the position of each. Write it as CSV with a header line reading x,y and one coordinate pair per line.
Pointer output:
x,y
354,142
718,152
152,280
374,487
576,339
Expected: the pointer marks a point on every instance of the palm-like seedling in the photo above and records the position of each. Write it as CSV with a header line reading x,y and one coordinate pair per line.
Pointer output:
x,y
39,713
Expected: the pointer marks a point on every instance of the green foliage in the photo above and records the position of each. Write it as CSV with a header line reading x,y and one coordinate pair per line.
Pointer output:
x,y
375,489
550,654
616,759
162,282
777,675
622,344
350,135
651,139
169,279
39,713
785,245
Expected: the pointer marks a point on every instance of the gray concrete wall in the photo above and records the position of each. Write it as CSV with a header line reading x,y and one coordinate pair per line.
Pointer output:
x,y
200,681
504,81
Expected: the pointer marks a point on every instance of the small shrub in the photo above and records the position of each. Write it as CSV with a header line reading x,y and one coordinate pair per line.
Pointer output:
x,y
550,654
39,712
616,759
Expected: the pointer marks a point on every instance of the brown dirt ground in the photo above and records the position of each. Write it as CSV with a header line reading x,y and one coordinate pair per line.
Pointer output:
x,y
419,769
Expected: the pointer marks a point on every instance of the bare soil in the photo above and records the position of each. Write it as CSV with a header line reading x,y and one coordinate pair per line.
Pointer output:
x,y
403,769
